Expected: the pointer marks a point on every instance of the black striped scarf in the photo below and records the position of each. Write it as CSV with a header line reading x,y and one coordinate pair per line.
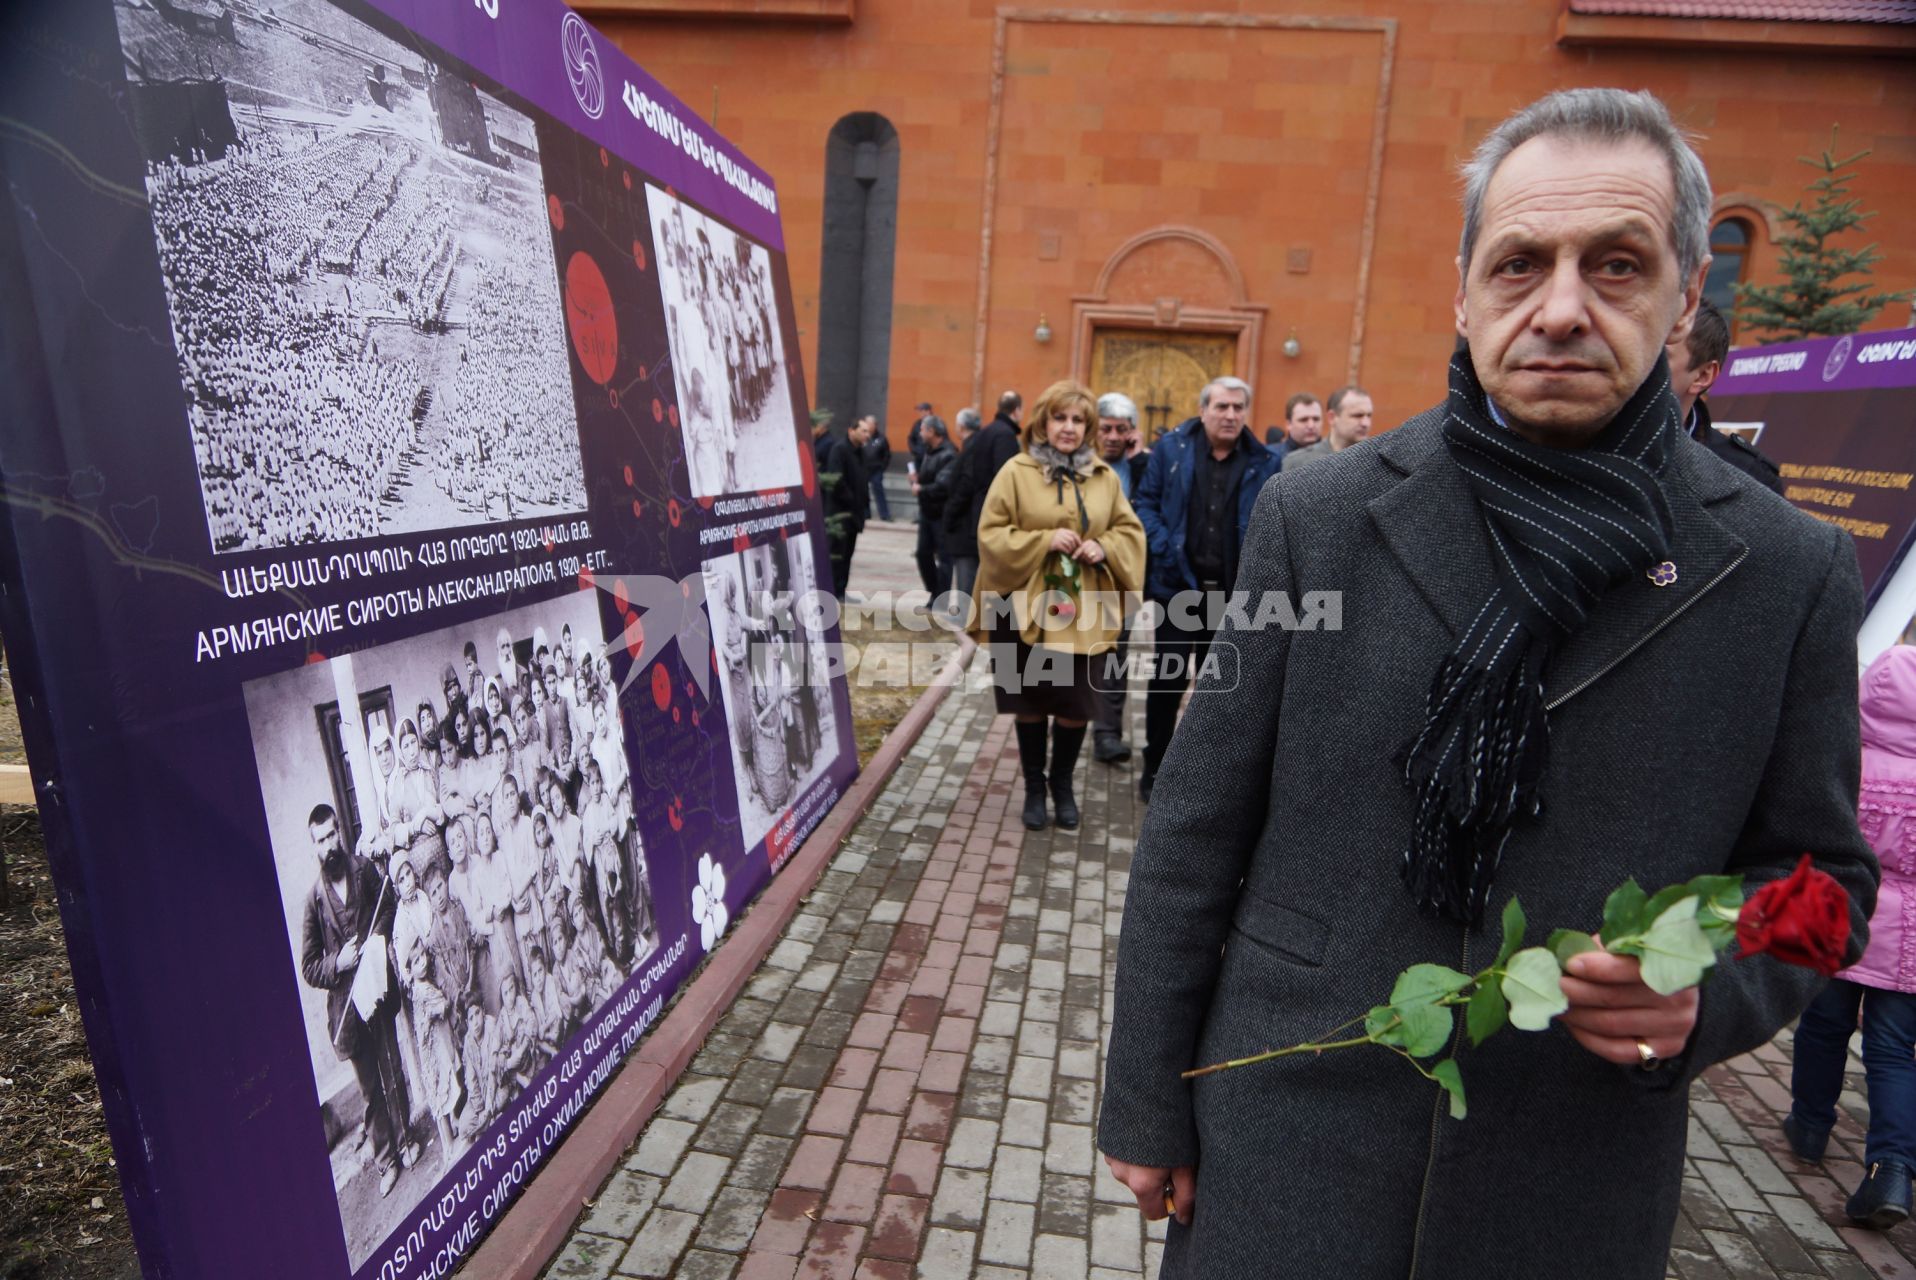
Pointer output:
x,y
1565,525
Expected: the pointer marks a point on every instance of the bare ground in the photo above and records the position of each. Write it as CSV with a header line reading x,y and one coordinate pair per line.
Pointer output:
x,y
879,699
61,1215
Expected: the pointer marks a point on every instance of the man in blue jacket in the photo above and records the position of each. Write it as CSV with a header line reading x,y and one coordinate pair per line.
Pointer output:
x,y
1195,501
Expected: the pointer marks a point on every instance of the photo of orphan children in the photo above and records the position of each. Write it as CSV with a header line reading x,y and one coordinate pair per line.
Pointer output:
x,y
464,884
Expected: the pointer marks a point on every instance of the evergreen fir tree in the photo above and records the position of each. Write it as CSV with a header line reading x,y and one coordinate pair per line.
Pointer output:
x,y
1812,302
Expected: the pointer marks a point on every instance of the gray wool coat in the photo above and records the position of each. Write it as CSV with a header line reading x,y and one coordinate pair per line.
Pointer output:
x,y
1704,726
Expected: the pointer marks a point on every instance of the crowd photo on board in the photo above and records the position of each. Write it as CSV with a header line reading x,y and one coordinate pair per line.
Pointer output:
x,y
464,882
728,360
354,245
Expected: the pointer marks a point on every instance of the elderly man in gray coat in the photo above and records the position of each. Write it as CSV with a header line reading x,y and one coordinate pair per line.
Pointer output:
x,y
1514,704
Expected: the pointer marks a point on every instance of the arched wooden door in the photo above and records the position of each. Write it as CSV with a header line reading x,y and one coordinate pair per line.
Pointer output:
x,y
1163,370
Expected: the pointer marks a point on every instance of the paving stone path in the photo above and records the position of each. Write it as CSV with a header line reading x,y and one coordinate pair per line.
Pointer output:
x,y
908,1086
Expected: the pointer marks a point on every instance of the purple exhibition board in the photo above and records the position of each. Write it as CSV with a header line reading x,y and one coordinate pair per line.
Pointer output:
x,y
1838,417
409,573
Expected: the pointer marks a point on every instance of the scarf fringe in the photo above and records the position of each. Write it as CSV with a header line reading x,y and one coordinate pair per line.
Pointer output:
x,y
1473,769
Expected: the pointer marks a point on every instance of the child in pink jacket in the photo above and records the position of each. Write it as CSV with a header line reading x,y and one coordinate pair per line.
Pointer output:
x,y
1883,983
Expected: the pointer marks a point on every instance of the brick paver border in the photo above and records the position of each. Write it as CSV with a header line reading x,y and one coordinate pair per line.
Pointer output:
x,y
539,1223
857,1192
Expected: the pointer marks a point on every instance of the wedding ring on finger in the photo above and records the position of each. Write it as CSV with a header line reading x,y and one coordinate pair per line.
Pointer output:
x,y
1647,1059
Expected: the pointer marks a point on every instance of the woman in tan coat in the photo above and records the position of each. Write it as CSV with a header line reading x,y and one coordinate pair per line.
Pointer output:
x,y
1058,549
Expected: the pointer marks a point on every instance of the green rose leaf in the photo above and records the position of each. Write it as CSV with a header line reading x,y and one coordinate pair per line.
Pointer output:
x,y
1530,985
1426,984
1426,1029
1514,925
1447,1075
1565,943
1486,1013
1676,954
1665,898
1420,1030
1623,911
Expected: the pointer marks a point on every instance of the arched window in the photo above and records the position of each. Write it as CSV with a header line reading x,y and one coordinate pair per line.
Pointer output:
x,y
1730,243
855,267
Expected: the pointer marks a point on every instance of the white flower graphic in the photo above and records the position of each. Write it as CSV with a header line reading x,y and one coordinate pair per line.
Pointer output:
x,y
708,901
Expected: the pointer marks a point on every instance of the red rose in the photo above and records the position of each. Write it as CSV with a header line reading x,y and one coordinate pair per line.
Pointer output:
x,y
1801,920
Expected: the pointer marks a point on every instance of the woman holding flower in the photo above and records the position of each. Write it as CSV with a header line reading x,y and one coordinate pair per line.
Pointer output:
x,y
1058,548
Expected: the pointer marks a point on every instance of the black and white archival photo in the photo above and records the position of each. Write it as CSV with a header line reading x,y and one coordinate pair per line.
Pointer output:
x,y
774,671
463,881
356,253
728,360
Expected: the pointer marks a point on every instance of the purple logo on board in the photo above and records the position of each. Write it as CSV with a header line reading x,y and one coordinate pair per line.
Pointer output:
x,y
582,64
1838,357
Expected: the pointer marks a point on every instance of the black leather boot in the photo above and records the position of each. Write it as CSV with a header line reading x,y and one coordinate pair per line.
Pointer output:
x,y
1065,745
1882,1200
1031,735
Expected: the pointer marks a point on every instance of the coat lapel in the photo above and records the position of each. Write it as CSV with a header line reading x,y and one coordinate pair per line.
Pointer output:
x,y
1428,521
1703,550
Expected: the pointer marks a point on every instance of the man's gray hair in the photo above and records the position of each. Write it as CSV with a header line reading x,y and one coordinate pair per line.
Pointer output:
x,y
1600,115
1227,383
969,421
1116,404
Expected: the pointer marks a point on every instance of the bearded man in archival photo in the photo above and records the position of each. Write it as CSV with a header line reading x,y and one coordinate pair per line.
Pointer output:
x,y
1520,702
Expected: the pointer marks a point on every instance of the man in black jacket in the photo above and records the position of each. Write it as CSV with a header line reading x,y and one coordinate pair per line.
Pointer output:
x,y
932,485
1694,366
915,441
348,919
843,492
877,459
960,529
994,446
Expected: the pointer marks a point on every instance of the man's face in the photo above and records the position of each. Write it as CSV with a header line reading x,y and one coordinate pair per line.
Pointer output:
x,y
1116,437
325,838
1573,286
1306,424
1351,422
1689,382
472,667
1224,416
505,657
